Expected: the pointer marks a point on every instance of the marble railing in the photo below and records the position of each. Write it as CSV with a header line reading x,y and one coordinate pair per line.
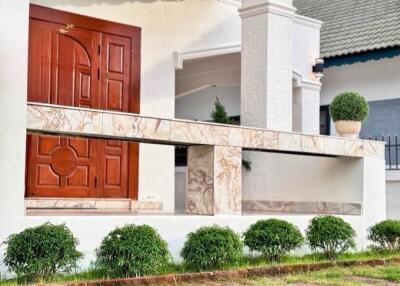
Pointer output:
x,y
214,153
45,118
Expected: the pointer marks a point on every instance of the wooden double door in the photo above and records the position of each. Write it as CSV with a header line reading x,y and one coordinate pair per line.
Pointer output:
x,y
77,64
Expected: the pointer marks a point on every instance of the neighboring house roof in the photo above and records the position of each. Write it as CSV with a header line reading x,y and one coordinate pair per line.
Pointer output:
x,y
354,26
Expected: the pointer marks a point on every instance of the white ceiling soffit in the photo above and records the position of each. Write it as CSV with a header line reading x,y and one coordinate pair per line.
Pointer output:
x,y
179,58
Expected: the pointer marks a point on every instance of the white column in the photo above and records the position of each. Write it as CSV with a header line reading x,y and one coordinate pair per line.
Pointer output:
x,y
266,74
14,17
374,193
306,102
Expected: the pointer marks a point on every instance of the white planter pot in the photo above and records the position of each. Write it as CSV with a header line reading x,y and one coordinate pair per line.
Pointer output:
x,y
348,128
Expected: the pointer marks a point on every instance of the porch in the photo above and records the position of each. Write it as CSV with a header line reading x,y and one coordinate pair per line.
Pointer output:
x,y
214,166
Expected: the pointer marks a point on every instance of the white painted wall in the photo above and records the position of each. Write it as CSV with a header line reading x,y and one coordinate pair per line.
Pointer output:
x,y
13,87
306,42
198,105
393,199
393,193
324,180
375,80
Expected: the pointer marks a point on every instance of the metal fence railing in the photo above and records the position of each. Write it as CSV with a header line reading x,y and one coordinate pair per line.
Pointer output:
x,y
392,151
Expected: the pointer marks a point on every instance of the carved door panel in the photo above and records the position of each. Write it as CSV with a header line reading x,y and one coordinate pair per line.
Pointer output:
x,y
62,70
114,95
95,64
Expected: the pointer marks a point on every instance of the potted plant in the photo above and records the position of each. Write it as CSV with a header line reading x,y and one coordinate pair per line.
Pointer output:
x,y
348,111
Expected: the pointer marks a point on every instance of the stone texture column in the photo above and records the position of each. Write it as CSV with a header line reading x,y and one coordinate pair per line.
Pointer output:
x,y
215,180
266,77
306,101
266,74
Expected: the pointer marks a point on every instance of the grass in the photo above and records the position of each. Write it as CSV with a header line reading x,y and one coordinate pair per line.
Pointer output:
x,y
334,275
352,276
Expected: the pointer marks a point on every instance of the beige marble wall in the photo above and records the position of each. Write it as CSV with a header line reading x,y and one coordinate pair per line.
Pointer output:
x,y
75,121
287,207
200,192
214,180
93,204
227,180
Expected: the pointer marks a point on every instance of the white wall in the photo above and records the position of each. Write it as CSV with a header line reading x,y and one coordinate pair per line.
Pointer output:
x,y
393,194
375,80
165,29
198,105
324,180
13,87
306,42
393,199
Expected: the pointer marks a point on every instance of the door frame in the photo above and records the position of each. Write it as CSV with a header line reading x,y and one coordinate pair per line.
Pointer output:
x,y
128,31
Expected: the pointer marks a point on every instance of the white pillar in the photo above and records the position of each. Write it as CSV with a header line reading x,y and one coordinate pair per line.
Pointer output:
x,y
14,17
306,102
266,74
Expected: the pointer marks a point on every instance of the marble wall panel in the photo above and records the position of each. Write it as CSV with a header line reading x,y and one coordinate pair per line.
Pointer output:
x,y
374,149
289,207
353,148
41,117
227,180
200,191
312,144
290,142
64,119
332,146
136,126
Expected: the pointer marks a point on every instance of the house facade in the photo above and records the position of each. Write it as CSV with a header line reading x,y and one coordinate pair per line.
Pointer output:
x,y
361,53
93,96
361,48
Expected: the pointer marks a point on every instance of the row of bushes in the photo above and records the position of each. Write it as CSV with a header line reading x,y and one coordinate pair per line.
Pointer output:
x,y
139,250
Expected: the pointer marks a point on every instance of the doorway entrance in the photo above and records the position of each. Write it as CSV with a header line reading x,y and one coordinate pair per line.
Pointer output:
x,y
83,62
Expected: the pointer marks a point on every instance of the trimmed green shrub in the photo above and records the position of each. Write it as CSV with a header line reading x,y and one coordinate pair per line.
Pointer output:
x,y
386,234
41,251
211,247
133,250
273,238
349,106
331,235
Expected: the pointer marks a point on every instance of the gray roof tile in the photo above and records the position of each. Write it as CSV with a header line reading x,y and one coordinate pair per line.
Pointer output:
x,y
353,26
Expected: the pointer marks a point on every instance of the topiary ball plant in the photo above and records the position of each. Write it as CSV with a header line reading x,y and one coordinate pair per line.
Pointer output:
x,y
349,106
273,238
211,247
133,250
386,234
41,251
331,235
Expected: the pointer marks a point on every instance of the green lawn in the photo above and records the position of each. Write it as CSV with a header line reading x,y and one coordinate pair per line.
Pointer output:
x,y
334,276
